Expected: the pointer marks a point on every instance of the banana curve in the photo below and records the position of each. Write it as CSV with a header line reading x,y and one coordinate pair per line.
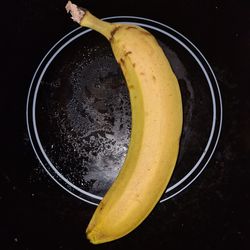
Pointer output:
x,y
156,128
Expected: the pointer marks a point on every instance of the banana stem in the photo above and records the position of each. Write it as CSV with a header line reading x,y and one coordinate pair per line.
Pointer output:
x,y
76,13
86,19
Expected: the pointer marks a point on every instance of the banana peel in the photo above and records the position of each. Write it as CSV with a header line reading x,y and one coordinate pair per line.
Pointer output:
x,y
157,119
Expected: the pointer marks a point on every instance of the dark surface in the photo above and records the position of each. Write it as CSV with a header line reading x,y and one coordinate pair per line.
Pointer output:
x,y
213,213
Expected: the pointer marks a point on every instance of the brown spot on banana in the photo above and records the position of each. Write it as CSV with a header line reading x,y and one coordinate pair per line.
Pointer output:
x,y
130,27
127,53
101,205
122,62
112,33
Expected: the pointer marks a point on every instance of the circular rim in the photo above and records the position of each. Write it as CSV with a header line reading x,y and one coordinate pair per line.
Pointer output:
x,y
147,23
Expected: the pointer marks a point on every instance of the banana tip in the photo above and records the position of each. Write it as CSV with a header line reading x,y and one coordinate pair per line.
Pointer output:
x,y
96,236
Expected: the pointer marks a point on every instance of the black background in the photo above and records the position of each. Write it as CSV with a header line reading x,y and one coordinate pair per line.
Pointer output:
x,y
211,214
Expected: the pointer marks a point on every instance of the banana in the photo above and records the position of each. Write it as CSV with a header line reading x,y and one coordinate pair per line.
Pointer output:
x,y
156,107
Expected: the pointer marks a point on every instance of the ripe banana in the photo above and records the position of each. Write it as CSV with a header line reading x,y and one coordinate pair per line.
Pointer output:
x,y
156,128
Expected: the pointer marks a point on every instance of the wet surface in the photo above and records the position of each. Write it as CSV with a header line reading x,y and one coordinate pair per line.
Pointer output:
x,y
89,130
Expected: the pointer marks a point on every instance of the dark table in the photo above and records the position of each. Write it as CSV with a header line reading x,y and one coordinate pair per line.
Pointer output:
x,y
213,213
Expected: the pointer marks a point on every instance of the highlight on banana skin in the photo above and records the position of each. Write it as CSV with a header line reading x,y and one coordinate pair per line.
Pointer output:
x,y
157,119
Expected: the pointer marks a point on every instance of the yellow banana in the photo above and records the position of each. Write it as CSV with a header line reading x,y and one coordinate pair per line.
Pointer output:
x,y
156,128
